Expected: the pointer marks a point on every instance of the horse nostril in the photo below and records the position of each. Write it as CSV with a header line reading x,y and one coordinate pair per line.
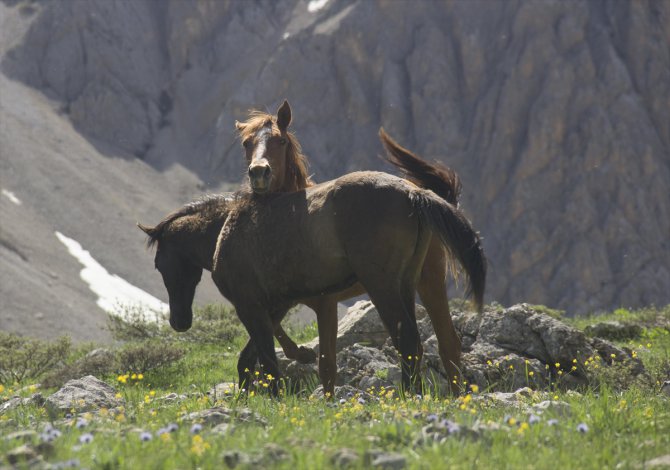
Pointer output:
x,y
260,171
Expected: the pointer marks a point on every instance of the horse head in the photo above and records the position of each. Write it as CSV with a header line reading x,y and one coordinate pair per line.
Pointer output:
x,y
180,276
274,156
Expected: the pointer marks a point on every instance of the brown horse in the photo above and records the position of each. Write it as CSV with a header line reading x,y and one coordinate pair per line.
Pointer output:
x,y
276,164
367,227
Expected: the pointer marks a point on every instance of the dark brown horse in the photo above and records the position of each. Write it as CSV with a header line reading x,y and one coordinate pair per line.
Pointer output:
x,y
276,164
185,241
367,227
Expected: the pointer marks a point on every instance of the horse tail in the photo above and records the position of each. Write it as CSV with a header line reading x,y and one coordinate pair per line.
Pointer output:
x,y
461,241
437,177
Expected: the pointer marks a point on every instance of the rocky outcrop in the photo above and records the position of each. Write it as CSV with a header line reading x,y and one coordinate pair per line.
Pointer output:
x,y
85,394
503,349
555,114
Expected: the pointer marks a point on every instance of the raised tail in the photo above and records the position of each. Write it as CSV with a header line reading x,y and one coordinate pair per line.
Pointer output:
x,y
460,240
437,177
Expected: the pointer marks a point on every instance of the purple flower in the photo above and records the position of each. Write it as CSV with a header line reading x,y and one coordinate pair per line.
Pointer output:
x,y
361,400
172,427
145,436
552,422
81,423
533,419
431,418
162,431
582,427
342,401
453,428
196,428
86,438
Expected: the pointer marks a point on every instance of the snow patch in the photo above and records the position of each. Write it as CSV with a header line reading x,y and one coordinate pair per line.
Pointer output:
x,y
115,295
11,196
315,5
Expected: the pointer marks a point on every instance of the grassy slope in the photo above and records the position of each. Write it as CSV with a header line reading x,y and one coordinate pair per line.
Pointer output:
x,y
624,427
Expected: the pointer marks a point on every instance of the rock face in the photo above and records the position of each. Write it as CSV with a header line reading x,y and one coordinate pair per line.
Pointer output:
x,y
555,114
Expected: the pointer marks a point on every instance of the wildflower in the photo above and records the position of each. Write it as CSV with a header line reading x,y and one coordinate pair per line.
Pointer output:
x,y
140,376
152,393
511,367
558,364
145,436
452,427
117,396
431,418
531,373
574,368
2,388
552,422
199,445
474,388
172,427
582,427
196,428
361,401
574,361
533,419
81,423
511,420
133,377
342,401
86,438
523,427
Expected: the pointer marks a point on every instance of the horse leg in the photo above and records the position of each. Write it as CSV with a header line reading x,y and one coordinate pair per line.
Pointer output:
x,y
246,365
297,353
433,291
325,308
261,332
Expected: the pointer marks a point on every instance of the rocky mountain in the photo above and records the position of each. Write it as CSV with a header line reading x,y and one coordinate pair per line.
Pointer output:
x,y
555,114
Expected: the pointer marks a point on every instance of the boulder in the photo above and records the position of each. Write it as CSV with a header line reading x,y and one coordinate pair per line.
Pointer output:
x,y
84,394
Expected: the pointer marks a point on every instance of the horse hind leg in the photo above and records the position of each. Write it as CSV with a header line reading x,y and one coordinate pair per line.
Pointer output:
x,y
246,365
432,288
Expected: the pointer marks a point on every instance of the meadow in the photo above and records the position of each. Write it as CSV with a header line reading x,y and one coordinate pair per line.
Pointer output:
x,y
170,418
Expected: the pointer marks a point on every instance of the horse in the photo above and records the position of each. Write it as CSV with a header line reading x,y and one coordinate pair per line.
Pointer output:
x,y
185,241
277,164
367,227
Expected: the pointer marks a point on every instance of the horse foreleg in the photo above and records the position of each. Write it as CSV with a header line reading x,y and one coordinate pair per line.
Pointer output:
x,y
326,314
433,291
261,332
246,365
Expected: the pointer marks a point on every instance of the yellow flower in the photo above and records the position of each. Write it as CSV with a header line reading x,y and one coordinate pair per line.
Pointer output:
x,y
152,393
474,388
140,376
165,437
574,361
558,364
134,376
2,388
531,373
118,395
522,428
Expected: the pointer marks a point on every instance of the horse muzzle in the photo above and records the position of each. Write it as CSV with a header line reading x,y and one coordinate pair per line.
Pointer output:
x,y
260,175
180,321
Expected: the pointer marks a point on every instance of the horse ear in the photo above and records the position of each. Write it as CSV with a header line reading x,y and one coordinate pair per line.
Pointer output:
x,y
146,229
239,126
284,116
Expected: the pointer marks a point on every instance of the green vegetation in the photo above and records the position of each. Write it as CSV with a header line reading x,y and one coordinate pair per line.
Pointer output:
x,y
604,426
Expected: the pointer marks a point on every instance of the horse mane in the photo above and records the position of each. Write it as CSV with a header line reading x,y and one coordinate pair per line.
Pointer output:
x,y
296,177
210,206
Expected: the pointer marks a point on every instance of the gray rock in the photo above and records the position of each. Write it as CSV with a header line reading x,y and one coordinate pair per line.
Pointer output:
x,y
665,388
345,458
662,461
384,460
85,394
558,407
25,436
21,455
235,458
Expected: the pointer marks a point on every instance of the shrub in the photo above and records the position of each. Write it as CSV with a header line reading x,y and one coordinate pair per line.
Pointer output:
x,y
24,358
146,356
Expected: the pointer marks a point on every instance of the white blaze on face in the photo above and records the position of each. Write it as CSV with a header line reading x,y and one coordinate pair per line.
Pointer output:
x,y
11,196
115,295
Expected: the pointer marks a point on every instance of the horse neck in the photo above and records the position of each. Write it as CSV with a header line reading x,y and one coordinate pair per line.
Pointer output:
x,y
199,245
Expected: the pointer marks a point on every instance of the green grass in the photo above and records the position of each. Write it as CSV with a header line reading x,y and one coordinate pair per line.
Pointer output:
x,y
625,428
